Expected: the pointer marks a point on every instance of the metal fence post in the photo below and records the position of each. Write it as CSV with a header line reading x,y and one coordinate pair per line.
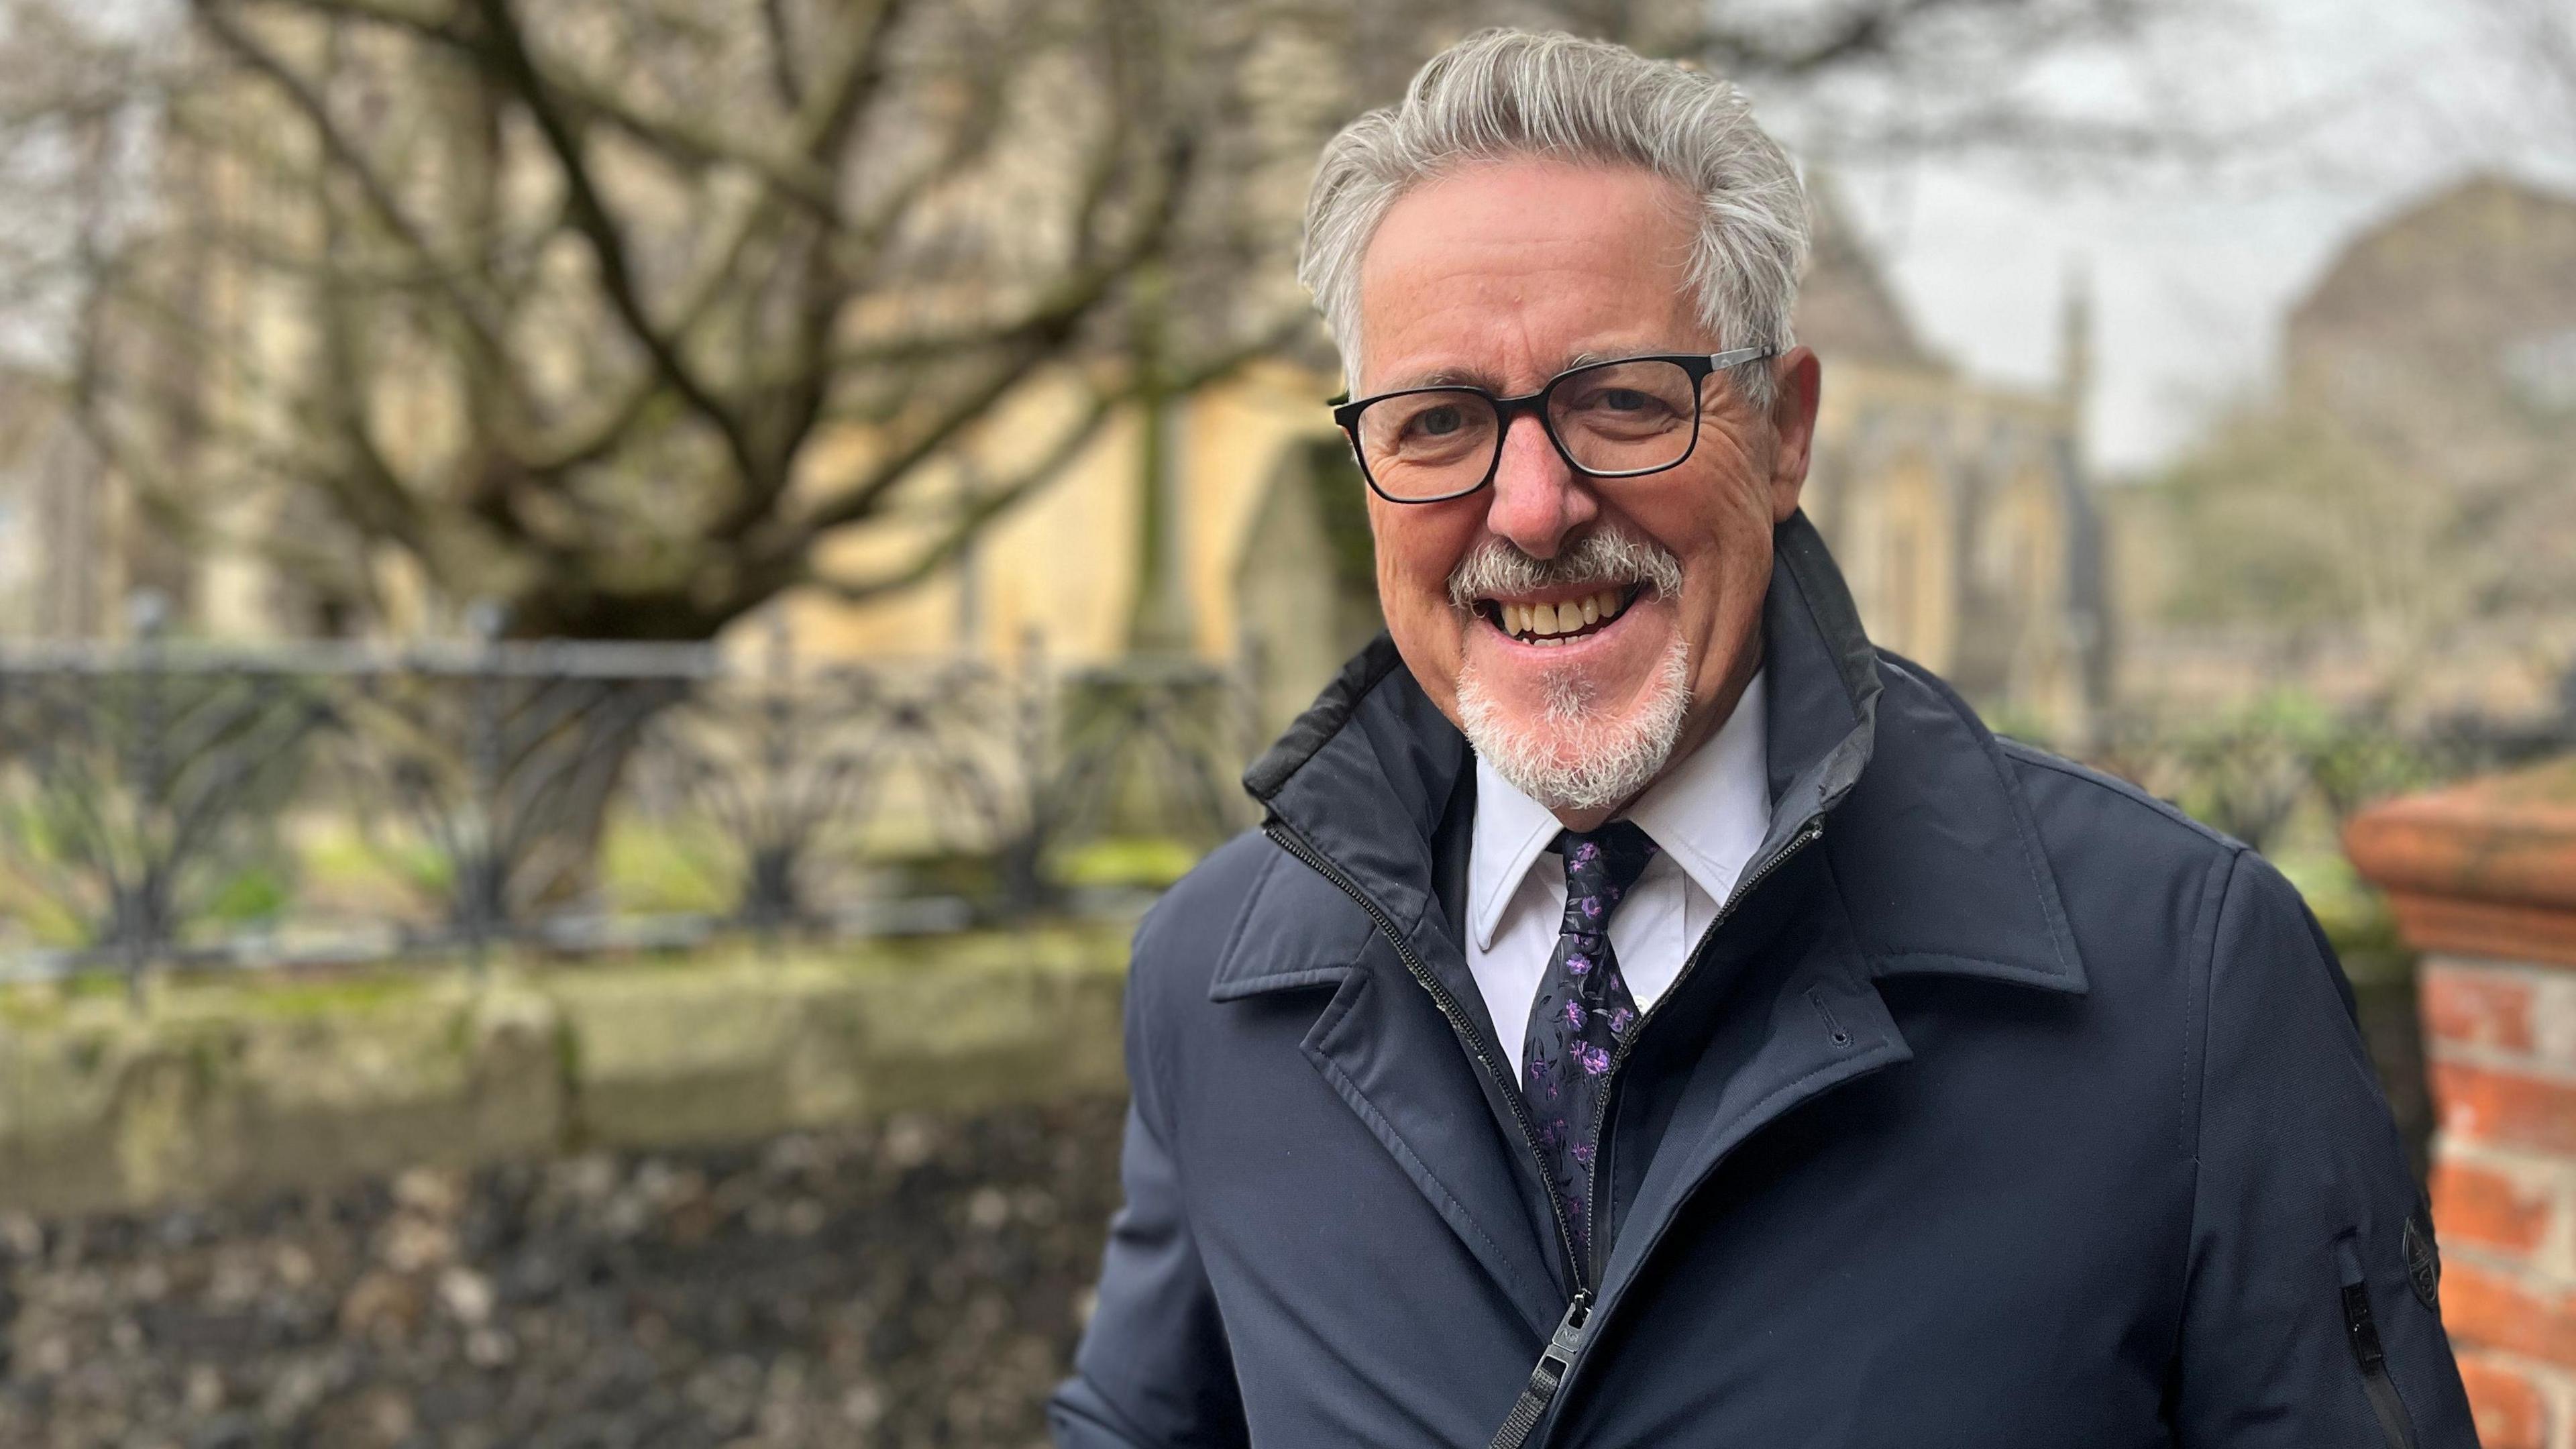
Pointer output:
x,y
141,900
479,871
1251,692
1023,857
772,903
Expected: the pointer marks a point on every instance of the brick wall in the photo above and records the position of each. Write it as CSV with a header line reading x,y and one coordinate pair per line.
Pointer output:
x,y
2501,1038
2483,880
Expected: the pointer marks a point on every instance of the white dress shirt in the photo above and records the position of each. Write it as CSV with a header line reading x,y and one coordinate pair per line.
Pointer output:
x,y
1706,817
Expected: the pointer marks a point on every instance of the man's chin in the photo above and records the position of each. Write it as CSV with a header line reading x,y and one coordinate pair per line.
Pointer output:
x,y
1584,733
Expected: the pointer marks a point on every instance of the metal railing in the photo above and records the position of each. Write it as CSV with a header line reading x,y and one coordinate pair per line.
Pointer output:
x,y
165,802
2269,764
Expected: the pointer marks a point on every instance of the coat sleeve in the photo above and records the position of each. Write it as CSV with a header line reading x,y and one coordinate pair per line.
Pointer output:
x,y
2303,1319
1153,1368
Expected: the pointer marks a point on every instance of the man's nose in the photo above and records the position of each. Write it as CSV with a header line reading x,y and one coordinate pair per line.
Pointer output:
x,y
1538,500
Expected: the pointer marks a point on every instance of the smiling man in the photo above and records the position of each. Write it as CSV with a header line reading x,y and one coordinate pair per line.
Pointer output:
x,y
1652,1016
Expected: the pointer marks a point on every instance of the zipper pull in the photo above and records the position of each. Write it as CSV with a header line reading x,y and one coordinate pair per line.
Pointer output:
x,y
1553,1365
2361,1332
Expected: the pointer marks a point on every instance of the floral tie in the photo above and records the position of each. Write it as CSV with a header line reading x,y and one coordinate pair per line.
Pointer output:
x,y
1582,1014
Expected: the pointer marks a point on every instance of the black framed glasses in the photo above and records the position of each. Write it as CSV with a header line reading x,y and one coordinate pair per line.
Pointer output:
x,y
1619,419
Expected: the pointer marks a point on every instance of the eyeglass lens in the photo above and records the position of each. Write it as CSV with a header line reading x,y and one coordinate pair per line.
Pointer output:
x,y
1619,417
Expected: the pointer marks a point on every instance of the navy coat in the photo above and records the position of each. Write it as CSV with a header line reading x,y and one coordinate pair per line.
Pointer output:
x,y
2004,1106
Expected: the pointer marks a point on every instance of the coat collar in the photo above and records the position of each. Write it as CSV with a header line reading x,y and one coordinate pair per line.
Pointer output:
x,y
1934,850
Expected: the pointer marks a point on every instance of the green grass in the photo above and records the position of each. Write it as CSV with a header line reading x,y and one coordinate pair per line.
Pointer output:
x,y
653,869
309,997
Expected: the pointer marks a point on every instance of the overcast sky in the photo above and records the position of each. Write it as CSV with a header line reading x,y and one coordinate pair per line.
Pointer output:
x,y
2366,105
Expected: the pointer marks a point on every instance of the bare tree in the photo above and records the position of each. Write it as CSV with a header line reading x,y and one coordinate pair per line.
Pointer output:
x,y
2537,38
617,312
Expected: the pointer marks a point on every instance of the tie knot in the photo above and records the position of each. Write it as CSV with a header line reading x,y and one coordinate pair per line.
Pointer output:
x,y
1600,867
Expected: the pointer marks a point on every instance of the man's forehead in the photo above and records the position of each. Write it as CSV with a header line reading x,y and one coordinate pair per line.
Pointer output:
x,y
1517,268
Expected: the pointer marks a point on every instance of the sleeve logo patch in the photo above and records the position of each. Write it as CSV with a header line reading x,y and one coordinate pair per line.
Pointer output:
x,y
2423,1262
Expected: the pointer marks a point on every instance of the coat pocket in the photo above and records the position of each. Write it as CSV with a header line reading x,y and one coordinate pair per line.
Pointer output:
x,y
2361,1333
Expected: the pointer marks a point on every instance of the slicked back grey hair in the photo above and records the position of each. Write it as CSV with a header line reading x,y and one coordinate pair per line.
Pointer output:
x,y
1501,94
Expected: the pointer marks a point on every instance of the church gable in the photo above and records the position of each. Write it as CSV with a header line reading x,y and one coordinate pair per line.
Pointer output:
x,y
1845,310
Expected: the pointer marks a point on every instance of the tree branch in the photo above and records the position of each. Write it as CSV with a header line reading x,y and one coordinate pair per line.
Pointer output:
x,y
1056,325
372,187
782,53
595,437
1879,29
995,501
424,18
979,511
850,78
505,48
694,144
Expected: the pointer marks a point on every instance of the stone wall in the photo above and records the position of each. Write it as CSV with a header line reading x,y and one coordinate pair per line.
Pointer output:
x,y
228,1089
847,1198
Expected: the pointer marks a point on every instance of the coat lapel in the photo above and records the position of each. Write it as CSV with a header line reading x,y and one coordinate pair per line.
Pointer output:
x,y
1383,1045
1391,1056
1364,788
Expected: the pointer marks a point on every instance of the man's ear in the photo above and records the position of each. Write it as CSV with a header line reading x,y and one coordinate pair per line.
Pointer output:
x,y
1796,382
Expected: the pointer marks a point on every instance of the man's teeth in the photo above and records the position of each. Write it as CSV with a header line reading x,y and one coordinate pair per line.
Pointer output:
x,y
1546,623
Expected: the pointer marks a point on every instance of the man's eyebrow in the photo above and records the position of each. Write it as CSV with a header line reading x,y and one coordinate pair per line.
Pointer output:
x,y
1450,377
1618,353
1470,375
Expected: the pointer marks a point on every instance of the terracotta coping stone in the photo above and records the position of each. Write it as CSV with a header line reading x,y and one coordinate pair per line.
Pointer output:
x,y
2486,868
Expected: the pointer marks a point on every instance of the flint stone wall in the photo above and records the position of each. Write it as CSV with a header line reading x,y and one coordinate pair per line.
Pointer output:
x,y
848,1199
235,1089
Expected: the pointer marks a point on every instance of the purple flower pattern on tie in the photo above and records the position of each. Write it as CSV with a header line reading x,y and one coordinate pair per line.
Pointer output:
x,y
1582,1014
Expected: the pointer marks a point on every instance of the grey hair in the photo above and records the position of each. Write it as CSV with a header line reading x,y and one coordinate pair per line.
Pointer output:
x,y
1500,94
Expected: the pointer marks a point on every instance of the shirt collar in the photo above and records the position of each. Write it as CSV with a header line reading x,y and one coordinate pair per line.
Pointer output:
x,y
1708,813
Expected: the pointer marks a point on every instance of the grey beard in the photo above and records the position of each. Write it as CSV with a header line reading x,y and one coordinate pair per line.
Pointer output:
x,y
1612,759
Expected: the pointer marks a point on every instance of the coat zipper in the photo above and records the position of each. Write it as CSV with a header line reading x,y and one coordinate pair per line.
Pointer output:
x,y
1565,1346
1807,833
2361,1331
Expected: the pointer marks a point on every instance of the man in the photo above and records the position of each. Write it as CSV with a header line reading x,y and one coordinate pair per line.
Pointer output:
x,y
1652,1016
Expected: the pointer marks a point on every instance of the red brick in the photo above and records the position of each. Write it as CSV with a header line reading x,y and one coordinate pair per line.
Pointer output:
x,y
2472,1205
2510,1411
2484,1104
2485,1308
2476,1008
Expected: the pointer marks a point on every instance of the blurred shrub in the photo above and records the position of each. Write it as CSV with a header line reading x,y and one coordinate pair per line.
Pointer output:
x,y
2283,763
1145,862
254,893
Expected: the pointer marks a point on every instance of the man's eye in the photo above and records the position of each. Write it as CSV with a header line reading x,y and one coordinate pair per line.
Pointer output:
x,y
1438,422
1620,401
